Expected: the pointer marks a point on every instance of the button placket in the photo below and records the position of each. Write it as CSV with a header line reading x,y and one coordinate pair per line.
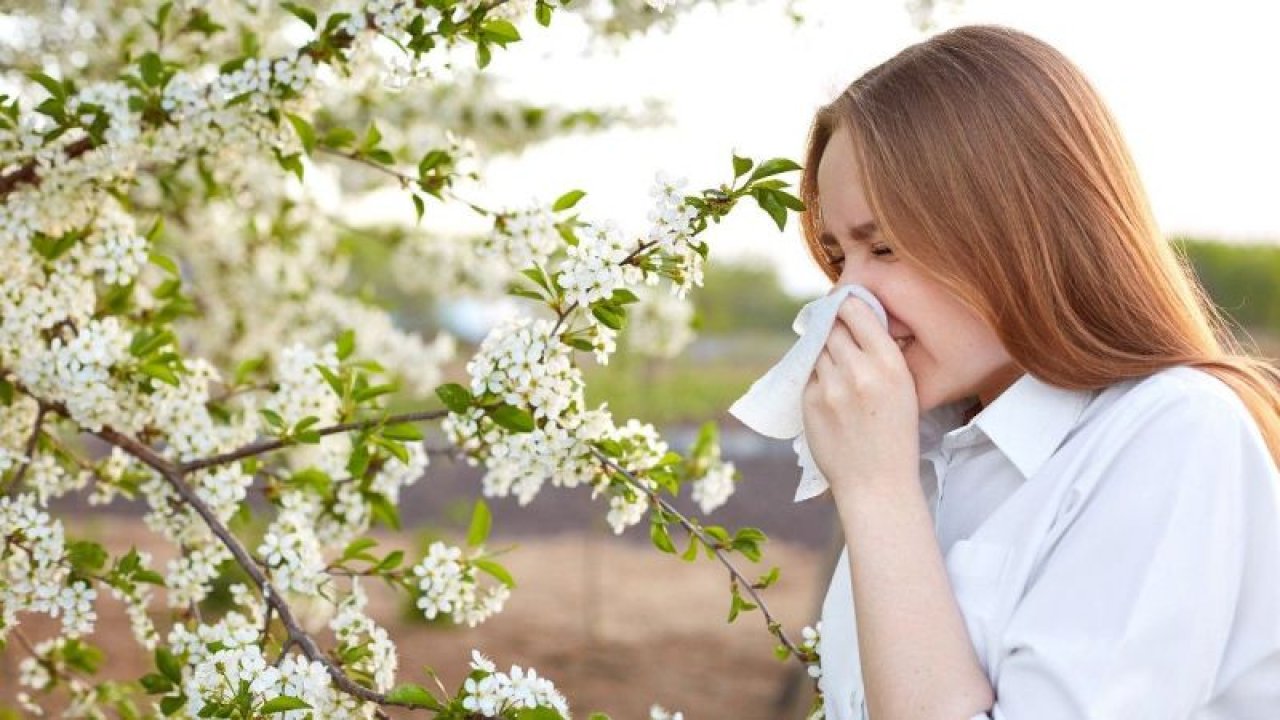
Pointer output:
x,y
941,460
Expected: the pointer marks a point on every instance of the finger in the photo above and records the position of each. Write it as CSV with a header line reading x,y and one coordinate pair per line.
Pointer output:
x,y
868,334
844,351
825,367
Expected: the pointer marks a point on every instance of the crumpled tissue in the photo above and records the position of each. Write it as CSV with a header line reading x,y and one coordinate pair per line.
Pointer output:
x,y
773,404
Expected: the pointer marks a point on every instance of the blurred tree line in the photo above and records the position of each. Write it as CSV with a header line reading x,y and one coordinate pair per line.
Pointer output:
x,y
1244,280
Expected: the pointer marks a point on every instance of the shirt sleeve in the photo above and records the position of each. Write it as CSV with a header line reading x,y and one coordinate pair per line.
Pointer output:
x,y
1133,609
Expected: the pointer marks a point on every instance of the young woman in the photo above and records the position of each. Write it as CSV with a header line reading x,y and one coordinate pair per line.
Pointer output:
x,y
1056,472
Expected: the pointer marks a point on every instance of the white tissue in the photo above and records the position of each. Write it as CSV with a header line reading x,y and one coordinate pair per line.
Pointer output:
x,y
773,404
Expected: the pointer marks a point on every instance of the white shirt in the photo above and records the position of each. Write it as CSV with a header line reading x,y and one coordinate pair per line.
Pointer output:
x,y
1115,553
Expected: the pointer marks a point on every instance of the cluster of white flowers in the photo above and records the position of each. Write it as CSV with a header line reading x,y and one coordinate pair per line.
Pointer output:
x,y
492,693
113,99
642,450
520,463
447,584
524,365
522,238
34,570
188,578
717,482
657,712
594,268
233,630
303,391
353,628
217,678
672,231
116,249
75,368
290,549
812,642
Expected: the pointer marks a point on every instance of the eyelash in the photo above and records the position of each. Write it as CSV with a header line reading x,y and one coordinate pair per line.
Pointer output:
x,y
876,250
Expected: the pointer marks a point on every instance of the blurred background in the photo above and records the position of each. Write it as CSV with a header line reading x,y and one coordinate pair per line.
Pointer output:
x,y
614,623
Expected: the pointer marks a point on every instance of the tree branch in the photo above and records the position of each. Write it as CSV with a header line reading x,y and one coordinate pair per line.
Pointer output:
x,y
174,476
694,529
270,445
30,452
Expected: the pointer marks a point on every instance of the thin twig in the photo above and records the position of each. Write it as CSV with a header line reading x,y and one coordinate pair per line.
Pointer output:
x,y
774,626
270,445
31,447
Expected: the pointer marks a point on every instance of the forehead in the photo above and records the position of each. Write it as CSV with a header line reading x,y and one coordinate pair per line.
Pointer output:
x,y
841,200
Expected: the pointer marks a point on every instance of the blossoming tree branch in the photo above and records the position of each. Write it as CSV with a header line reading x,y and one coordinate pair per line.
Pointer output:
x,y
175,331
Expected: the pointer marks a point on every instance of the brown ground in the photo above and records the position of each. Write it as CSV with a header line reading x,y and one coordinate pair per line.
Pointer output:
x,y
614,623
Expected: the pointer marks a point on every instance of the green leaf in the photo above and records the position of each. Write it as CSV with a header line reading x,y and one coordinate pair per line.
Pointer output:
x,y
272,417
500,31
513,418
369,393
623,296
248,367
539,278
172,704
358,463
415,695
483,55
769,203
155,684
405,432
496,570
335,383
292,163
773,167
432,160
609,315
86,556
384,511
168,664
740,166
53,87
568,200
372,137
543,13
356,550
691,553
306,15
455,397
391,561
284,703
660,537
152,68
6,392
768,579
306,133
481,523
160,372
339,137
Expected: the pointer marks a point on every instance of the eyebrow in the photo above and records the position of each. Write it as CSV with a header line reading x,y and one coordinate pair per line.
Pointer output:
x,y
857,232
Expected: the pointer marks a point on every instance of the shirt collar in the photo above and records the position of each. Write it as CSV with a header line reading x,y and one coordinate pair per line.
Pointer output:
x,y
1027,422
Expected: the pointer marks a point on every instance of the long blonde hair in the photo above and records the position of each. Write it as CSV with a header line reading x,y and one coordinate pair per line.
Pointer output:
x,y
991,162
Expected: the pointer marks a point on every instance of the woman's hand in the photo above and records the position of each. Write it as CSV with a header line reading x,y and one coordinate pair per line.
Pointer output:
x,y
861,416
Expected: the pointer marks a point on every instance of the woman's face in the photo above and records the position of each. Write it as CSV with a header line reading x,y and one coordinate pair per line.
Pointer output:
x,y
953,354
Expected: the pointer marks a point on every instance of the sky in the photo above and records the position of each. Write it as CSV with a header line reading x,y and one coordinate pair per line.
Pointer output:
x,y
1194,86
